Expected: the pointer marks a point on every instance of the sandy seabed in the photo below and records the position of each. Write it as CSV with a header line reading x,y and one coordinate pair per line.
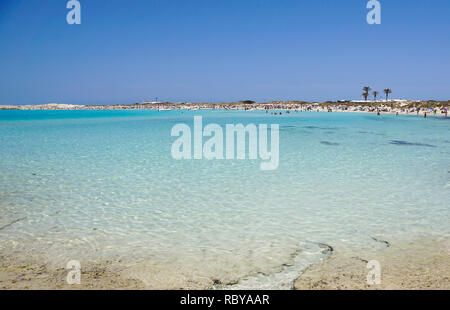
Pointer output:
x,y
412,265
418,264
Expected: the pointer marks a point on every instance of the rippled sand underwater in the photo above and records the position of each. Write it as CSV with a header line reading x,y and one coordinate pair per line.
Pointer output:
x,y
101,186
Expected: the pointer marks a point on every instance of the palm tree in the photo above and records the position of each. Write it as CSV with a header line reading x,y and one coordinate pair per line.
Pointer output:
x,y
387,91
366,90
375,94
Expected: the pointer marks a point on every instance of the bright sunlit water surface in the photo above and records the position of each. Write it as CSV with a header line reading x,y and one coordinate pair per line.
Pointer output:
x,y
102,185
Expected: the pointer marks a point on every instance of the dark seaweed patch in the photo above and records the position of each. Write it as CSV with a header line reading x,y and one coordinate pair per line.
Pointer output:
x,y
400,142
327,249
13,222
382,241
329,143
361,259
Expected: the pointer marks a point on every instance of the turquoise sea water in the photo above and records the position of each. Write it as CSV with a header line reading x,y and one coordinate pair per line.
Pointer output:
x,y
102,185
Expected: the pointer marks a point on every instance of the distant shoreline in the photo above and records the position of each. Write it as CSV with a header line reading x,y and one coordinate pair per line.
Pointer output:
x,y
422,108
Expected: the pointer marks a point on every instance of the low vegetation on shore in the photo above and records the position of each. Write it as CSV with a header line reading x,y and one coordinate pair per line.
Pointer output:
x,y
431,107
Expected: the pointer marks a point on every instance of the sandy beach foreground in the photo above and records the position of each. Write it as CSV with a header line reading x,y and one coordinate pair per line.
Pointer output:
x,y
418,264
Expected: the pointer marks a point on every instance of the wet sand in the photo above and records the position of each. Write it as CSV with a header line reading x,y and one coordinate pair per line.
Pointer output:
x,y
419,264
27,274
23,275
414,265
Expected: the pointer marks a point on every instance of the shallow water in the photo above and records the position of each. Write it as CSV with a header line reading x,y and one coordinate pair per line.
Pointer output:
x,y
99,185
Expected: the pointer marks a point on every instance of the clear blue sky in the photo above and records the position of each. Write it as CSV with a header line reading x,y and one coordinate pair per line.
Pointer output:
x,y
126,51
